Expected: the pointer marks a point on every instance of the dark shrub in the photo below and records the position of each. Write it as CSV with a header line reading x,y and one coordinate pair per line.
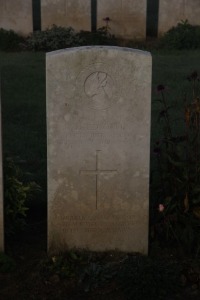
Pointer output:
x,y
183,36
54,38
10,40
100,37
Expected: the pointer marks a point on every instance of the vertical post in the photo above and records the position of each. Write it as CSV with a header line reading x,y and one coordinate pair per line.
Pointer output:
x,y
36,8
152,18
1,185
93,15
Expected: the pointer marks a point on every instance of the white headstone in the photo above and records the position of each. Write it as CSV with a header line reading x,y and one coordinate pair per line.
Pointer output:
x,y
98,120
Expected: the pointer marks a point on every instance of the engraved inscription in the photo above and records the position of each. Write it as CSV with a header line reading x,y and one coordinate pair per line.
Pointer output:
x,y
100,225
97,172
77,137
98,87
97,217
82,124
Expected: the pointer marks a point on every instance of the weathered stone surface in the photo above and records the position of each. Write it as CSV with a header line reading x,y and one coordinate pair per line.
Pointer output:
x,y
76,14
173,11
98,120
128,17
1,188
16,15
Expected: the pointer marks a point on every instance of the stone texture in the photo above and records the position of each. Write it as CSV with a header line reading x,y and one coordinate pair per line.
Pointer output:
x,y
173,11
1,189
98,120
76,14
16,15
128,17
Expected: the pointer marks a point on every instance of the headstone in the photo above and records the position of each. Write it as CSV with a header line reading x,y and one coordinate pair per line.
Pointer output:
x,y
66,13
174,11
1,189
16,15
128,17
98,120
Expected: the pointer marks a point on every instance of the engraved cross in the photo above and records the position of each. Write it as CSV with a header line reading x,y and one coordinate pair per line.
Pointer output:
x,y
97,172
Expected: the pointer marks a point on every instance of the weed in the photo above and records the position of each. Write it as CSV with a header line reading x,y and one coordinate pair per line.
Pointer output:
x,y
16,194
64,266
176,181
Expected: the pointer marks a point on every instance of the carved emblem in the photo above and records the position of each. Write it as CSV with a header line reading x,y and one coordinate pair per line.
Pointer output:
x,y
98,88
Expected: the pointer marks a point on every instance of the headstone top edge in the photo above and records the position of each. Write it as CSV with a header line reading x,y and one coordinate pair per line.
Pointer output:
x,y
86,48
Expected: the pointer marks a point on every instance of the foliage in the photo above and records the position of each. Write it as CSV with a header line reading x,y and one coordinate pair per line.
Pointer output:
x,y
89,275
7,264
142,278
183,36
100,37
53,38
176,180
86,268
63,266
135,276
16,194
96,274
10,40
59,37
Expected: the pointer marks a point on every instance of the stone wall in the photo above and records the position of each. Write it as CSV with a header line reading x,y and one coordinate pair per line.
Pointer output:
x,y
76,14
16,15
177,10
128,17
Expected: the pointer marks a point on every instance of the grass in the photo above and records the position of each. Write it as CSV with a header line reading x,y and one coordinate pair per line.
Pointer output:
x,y
23,114
24,139
171,68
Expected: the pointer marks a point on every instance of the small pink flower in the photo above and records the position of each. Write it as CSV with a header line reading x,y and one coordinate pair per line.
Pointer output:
x,y
107,19
161,208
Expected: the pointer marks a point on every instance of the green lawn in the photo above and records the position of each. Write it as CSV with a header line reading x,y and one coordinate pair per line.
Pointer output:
x,y
172,69
23,113
23,102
